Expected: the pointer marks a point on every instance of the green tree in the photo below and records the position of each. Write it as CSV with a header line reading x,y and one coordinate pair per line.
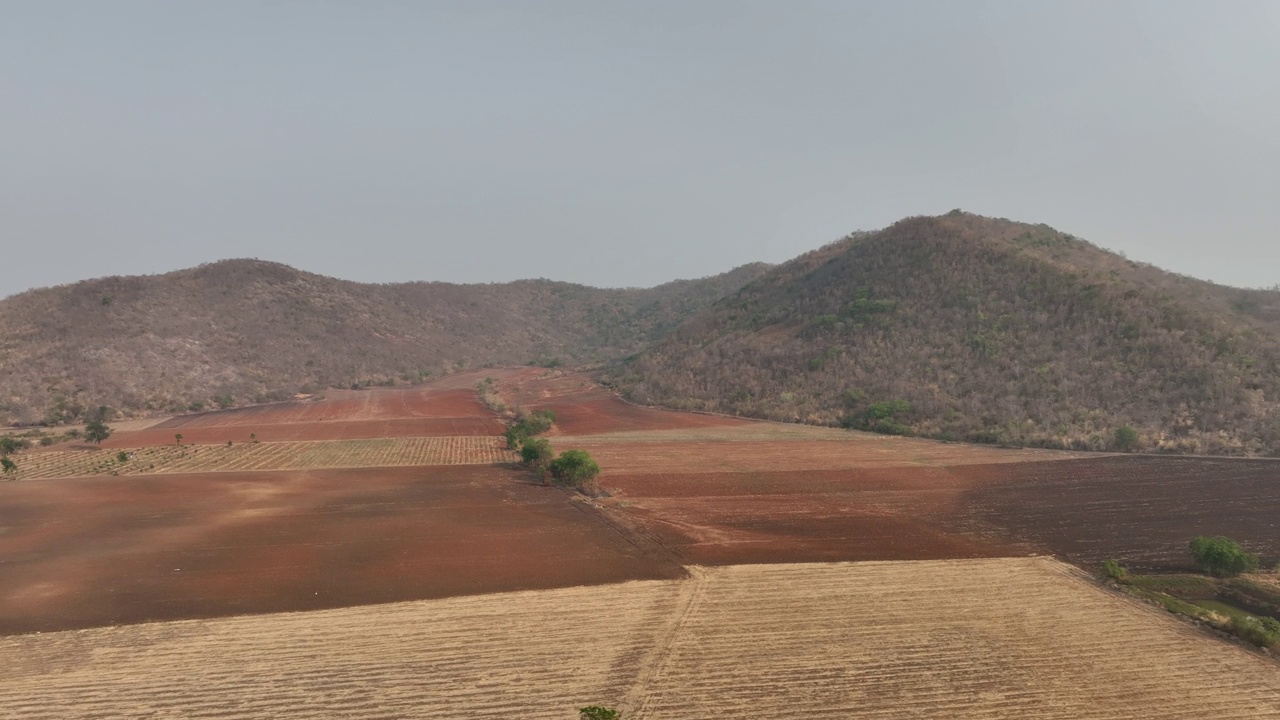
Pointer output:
x,y
1222,556
576,468
122,456
96,430
537,454
10,445
177,438
10,467
1126,438
596,712
527,426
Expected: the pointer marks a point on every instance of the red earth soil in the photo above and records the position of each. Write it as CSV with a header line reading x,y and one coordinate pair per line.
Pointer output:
x,y
1140,510
584,408
903,513
82,553
423,411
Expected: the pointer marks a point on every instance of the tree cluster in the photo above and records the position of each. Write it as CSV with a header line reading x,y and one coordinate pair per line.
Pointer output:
x,y
572,468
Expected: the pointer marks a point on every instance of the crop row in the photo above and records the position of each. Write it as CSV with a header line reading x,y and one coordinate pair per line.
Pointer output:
x,y
301,455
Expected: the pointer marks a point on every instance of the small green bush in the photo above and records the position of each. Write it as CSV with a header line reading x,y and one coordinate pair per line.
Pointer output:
x,y
1263,632
596,712
1114,570
1126,438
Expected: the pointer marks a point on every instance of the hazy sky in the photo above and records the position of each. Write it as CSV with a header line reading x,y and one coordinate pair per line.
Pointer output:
x,y
626,143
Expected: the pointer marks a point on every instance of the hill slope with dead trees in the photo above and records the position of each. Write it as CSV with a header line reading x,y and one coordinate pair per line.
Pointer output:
x,y
977,329
241,331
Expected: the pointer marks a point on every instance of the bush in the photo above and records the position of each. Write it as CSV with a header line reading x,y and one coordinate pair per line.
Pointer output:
x,y
122,456
1222,556
1126,438
536,453
1263,632
10,445
1114,570
577,469
596,712
527,426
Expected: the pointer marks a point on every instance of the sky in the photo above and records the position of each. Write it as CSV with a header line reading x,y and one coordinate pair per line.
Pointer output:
x,y
624,143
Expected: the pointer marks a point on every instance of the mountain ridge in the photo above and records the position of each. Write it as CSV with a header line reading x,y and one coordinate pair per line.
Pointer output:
x,y
962,327
243,330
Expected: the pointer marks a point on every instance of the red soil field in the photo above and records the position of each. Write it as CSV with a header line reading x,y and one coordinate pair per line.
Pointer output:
x,y
422,411
82,553
583,407
904,513
1140,510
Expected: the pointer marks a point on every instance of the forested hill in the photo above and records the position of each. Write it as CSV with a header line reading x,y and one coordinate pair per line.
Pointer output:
x,y
240,331
971,328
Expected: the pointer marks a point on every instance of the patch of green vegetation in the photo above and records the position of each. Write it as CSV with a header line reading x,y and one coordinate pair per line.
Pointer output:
x,y
527,426
1185,585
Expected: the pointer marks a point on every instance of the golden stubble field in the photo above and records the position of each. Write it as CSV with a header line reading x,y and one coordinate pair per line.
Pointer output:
x,y
995,638
296,455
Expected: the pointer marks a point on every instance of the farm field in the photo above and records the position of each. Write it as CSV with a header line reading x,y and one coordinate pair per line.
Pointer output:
x,y
1141,510
447,406
104,551
303,455
874,640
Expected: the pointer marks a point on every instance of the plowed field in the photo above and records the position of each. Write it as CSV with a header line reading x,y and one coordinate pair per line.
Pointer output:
x,y
1141,510
448,406
985,639
584,408
81,553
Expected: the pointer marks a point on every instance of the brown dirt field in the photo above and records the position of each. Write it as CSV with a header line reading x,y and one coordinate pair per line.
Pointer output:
x,y
873,513
82,553
582,407
971,640
854,451
1140,510
448,406
285,432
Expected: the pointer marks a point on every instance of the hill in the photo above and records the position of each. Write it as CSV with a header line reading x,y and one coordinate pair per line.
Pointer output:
x,y
977,329
242,331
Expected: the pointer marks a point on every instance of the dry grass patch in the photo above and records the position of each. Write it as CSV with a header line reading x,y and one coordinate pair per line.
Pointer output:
x,y
303,455
979,639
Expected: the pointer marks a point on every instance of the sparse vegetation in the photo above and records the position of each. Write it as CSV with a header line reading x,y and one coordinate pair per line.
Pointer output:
x,y
265,331
991,331
597,712
487,390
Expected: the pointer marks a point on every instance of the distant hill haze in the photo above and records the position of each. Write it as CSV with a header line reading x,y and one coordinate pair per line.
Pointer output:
x,y
955,327
976,329
242,331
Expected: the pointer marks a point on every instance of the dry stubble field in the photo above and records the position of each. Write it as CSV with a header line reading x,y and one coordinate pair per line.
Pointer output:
x,y
979,639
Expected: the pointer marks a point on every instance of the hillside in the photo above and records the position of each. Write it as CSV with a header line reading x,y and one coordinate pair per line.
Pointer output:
x,y
242,331
977,329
